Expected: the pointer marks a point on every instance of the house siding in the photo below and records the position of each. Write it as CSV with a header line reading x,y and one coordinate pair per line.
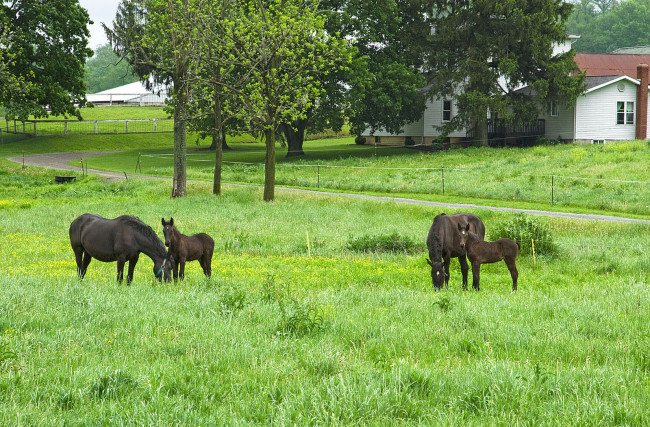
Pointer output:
x,y
596,118
422,131
561,126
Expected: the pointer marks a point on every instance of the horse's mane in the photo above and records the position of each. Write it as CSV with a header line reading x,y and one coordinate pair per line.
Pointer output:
x,y
138,225
434,239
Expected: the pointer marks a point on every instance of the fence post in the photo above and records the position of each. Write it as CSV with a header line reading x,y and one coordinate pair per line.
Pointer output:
x,y
552,188
35,130
154,125
127,126
65,127
318,182
96,127
443,179
532,244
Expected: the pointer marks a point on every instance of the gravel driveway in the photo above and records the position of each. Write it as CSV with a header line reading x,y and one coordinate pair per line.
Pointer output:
x,y
59,161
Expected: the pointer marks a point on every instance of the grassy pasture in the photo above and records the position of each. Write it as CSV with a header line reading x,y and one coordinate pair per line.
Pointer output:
x,y
290,333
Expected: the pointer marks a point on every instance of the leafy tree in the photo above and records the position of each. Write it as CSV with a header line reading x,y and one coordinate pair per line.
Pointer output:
x,y
280,46
105,70
380,85
156,37
481,50
385,79
612,26
44,49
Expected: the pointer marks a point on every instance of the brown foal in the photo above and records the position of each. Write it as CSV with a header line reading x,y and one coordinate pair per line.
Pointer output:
x,y
184,248
482,252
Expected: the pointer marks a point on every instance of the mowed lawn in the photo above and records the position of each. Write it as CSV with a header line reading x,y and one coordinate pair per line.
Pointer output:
x,y
296,327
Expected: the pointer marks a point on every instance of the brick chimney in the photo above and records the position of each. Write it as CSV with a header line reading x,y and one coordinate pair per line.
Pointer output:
x,y
642,102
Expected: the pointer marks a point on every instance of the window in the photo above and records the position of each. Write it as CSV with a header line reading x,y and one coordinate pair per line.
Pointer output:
x,y
624,113
446,110
554,109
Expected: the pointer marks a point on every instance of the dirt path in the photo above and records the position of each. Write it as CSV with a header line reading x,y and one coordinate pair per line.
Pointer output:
x,y
59,161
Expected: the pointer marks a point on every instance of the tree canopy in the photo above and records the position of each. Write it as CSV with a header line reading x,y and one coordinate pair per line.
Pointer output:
x,y
607,25
44,50
481,51
106,70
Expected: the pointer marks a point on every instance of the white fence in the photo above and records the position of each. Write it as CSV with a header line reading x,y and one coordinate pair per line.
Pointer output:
x,y
88,127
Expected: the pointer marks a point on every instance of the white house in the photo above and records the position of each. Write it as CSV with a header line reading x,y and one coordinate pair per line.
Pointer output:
x,y
131,94
613,107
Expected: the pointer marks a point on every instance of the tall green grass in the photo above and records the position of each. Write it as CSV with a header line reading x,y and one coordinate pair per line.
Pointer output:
x,y
338,337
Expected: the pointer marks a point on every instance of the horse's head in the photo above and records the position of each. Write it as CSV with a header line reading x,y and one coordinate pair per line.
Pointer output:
x,y
464,233
163,269
167,230
438,274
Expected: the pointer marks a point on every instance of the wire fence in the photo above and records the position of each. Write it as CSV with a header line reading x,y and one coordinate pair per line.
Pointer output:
x,y
613,194
87,127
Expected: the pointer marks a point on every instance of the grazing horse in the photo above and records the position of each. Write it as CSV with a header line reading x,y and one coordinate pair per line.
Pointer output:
x,y
184,248
481,252
446,240
120,239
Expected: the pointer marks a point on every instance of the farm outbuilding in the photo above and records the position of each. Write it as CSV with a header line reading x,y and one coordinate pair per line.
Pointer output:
x,y
131,94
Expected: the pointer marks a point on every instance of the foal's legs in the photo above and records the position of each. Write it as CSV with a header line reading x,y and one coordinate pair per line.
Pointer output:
x,y
464,268
206,261
445,264
510,262
476,275
181,269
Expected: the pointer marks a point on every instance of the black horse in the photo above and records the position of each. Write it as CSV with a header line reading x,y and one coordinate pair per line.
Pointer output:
x,y
120,239
446,240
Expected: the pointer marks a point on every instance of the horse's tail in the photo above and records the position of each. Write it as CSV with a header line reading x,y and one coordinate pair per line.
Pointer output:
x,y
518,245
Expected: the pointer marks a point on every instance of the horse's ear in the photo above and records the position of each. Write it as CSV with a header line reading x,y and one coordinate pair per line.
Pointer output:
x,y
460,227
171,221
467,227
163,221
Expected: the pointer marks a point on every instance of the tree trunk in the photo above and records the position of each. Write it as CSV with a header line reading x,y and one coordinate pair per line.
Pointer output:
x,y
480,129
269,165
218,128
295,136
179,186
215,138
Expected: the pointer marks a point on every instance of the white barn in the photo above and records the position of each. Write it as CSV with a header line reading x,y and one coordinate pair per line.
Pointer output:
x,y
130,94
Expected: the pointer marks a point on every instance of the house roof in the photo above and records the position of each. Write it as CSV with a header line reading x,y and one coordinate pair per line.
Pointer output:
x,y
592,83
636,50
610,64
127,93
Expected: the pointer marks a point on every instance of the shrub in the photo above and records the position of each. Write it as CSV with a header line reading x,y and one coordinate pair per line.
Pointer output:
x,y
380,243
522,228
360,140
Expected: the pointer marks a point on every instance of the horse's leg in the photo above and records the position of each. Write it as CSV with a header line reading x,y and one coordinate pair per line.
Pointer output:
x,y
120,270
181,269
464,268
86,261
206,260
175,271
78,255
445,264
476,275
132,263
510,262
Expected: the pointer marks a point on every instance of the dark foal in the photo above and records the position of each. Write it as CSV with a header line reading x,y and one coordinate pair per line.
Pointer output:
x,y
482,252
184,248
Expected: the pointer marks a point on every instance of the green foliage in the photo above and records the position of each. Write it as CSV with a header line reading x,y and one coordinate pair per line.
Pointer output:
x,y
114,385
382,243
297,318
476,45
604,26
105,70
522,229
44,48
